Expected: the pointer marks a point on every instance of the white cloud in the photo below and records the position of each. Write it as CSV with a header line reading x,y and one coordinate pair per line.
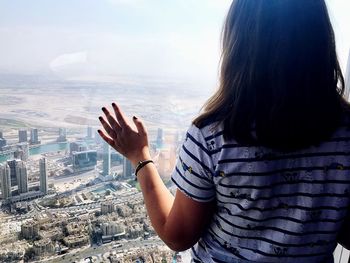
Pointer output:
x,y
68,59
132,3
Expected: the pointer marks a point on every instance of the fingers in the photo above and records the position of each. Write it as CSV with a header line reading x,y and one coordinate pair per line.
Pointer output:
x,y
106,138
107,127
120,116
139,125
112,122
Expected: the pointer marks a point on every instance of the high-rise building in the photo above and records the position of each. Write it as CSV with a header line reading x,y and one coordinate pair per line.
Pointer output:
x,y
34,136
98,138
43,176
106,159
108,207
1,134
163,163
112,228
5,177
22,177
127,169
78,146
3,143
22,151
160,138
84,161
22,136
62,135
13,171
18,172
89,132
172,157
43,247
30,229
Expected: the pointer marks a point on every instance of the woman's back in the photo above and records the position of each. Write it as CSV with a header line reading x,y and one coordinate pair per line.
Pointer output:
x,y
279,75
271,206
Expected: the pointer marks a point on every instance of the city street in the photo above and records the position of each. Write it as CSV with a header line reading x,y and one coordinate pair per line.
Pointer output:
x,y
100,253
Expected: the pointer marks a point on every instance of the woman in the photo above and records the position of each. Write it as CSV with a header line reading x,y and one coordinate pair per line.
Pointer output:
x,y
263,175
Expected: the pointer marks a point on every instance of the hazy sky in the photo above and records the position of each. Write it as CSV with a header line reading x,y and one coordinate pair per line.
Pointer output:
x,y
89,38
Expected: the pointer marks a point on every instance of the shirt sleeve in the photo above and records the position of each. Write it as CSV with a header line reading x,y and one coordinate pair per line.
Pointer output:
x,y
193,174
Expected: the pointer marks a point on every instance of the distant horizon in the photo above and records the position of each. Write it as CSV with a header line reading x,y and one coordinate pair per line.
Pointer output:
x,y
104,39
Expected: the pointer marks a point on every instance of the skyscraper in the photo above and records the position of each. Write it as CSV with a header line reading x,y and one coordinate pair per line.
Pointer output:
x,y
62,135
22,136
160,138
106,159
22,151
5,177
43,176
84,161
89,132
34,136
3,143
127,169
18,175
98,138
22,177
77,146
13,171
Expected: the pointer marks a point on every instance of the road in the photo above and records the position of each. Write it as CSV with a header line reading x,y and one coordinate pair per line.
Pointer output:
x,y
99,253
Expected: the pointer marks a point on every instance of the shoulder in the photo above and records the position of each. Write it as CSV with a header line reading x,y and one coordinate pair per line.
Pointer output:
x,y
208,130
209,120
209,137
344,125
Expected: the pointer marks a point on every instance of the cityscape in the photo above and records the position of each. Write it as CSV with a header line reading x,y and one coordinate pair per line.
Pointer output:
x,y
66,196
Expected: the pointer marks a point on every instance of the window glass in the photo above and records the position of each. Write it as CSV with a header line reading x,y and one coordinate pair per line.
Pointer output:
x,y
60,61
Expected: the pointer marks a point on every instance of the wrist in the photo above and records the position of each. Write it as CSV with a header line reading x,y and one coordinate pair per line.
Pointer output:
x,y
140,166
143,155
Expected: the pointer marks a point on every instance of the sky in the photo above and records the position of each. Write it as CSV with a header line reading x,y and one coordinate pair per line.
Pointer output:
x,y
99,39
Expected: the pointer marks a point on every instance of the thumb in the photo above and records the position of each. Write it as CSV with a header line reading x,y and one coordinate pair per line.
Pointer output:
x,y
139,125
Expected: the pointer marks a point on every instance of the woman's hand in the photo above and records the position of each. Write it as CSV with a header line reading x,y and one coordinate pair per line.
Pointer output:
x,y
128,141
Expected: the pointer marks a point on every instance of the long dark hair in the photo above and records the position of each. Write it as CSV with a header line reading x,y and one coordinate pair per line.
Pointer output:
x,y
280,81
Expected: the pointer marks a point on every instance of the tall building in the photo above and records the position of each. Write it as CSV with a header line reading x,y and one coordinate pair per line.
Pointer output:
x,y
160,138
163,163
22,177
62,135
84,161
22,136
43,247
172,157
13,170
98,138
89,132
108,207
78,146
106,159
22,151
30,230
19,176
112,228
43,175
1,134
127,169
3,143
5,177
34,136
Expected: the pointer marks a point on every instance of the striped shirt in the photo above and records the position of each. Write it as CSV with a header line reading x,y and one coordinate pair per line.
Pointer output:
x,y
271,206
